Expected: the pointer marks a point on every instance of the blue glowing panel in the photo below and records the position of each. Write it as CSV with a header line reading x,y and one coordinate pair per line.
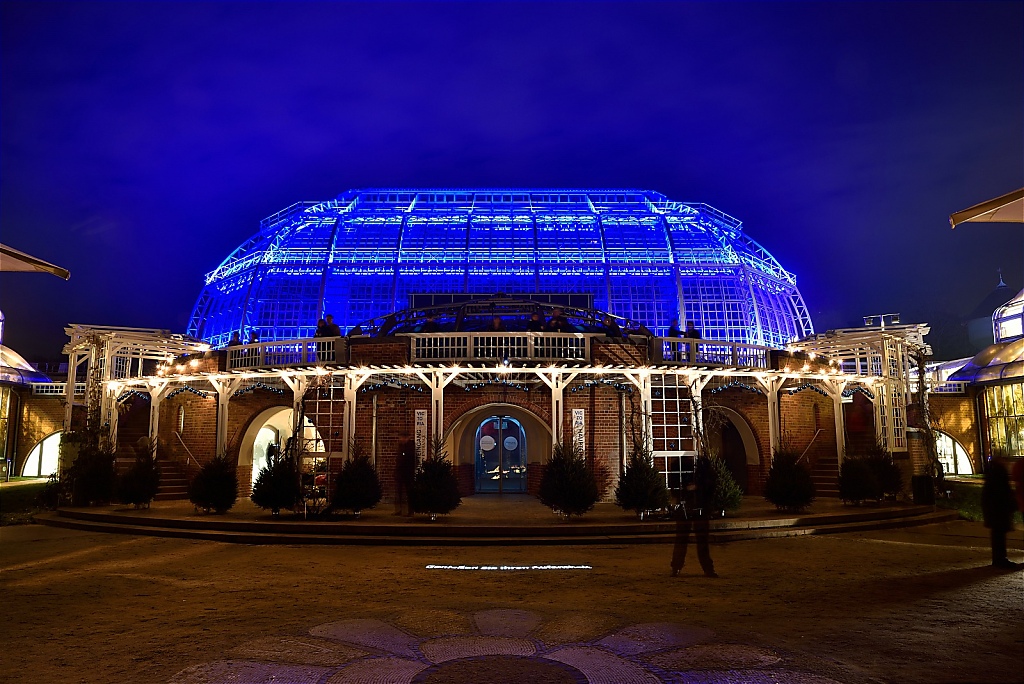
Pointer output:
x,y
636,253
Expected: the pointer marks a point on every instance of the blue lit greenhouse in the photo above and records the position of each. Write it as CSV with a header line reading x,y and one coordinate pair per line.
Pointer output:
x,y
631,253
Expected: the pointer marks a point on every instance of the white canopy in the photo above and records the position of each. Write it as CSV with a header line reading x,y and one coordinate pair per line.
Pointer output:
x,y
1008,208
13,260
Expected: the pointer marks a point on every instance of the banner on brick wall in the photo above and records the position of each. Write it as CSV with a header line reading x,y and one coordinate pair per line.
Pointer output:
x,y
421,434
579,438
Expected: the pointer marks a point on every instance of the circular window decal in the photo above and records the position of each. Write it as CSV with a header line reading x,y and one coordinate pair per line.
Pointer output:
x,y
487,442
511,443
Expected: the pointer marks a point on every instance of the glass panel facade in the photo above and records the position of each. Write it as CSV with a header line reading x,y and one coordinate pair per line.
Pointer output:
x,y
636,253
1004,411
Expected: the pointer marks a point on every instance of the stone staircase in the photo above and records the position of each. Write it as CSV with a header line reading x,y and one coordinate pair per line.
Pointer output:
x,y
173,481
825,475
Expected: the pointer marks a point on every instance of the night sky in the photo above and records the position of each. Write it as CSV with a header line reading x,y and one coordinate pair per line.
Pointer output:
x,y
141,142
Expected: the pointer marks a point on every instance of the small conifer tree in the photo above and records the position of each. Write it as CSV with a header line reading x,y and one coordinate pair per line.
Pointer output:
x,y
435,488
356,486
277,485
789,485
138,486
215,486
641,488
568,486
727,495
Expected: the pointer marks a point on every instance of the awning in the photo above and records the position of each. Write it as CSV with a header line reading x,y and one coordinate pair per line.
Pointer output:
x,y
1001,361
1006,209
13,260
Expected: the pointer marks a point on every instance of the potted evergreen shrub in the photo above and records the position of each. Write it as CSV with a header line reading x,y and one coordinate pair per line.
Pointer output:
x,y
356,486
139,484
568,486
91,476
727,494
215,486
641,488
886,471
277,485
857,481
435,487
789,486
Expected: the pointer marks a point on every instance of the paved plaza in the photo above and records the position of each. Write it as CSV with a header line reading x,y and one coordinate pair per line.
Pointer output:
x,y
910,605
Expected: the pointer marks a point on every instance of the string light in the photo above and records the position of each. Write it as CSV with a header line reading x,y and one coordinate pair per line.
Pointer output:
x,y
131,393
808,386
607,383
738,384
394,384
188,388
504,383
255,386
863,390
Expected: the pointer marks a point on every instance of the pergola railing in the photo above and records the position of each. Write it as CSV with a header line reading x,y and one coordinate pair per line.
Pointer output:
x,y
285,353
695,352
56,388
485,346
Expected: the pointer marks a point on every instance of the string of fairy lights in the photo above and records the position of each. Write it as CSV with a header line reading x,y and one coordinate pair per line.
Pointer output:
x,y
738,385
257,386
188,388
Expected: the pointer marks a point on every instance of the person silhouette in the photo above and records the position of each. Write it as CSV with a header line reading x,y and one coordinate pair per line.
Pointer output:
x,y
700,494
997,508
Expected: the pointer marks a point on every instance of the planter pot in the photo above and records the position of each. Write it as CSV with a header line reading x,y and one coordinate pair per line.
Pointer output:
x,y
924,490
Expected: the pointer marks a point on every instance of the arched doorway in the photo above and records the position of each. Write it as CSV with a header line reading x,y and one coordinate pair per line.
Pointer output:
x,y
735,444
500,448
952,455
274,427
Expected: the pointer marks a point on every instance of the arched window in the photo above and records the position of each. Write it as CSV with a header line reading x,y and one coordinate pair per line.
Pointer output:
x,y
953,457
43,459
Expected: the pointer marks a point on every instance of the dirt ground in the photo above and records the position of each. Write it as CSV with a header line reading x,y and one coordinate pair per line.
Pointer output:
x,y
914,605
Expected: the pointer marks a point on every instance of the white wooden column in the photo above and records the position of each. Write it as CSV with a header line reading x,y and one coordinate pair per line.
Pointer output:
x,y
110,392
642,381
834,388
225,388
297,384
772,384
157,390
557,382
697,383
437,380
75,359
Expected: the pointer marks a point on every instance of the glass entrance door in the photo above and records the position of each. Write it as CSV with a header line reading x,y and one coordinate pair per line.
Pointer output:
x,y
500,455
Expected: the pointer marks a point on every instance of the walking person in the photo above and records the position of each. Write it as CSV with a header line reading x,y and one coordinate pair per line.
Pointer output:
x,y
405,473
701,495
997,507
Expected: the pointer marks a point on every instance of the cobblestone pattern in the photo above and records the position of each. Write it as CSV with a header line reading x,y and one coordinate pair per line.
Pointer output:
x,y
376,652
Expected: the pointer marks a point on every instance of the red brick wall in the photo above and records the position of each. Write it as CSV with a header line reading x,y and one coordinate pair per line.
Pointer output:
x,y
391,351
954,415
754,409
39,417
199,433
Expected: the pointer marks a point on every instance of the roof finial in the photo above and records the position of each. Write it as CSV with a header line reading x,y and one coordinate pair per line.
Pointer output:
x,y
1001,283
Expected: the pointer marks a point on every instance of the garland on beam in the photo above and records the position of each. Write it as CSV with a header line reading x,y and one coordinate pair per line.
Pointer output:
x,y
740,385
188,388
255,386
863,390
807,386
132,393
505,383
587,384
395,384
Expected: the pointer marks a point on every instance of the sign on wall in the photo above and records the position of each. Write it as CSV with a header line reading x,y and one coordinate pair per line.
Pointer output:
x,y
421,434
579,432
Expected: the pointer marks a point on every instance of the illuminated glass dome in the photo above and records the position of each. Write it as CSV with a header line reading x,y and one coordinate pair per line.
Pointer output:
x,y
636,253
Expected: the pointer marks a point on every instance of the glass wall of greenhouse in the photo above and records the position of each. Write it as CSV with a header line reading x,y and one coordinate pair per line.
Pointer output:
x,y
636,253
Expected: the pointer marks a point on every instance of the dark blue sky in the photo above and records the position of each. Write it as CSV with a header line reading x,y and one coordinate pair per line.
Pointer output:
x,y
141,142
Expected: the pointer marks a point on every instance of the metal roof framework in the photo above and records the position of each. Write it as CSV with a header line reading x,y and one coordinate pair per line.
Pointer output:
x,y
641,256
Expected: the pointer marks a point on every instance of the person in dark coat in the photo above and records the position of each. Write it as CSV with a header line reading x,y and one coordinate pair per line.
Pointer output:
x,y
558,323
702,497
997,507
405,473
331,328
321,326
430,325
536,323
611,328
673,328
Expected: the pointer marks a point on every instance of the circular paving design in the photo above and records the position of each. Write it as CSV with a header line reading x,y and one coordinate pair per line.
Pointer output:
x,y
501,670
499,646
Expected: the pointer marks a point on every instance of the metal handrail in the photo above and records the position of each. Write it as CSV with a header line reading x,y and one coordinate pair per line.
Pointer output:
x,y
685,351
500,346
315,351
